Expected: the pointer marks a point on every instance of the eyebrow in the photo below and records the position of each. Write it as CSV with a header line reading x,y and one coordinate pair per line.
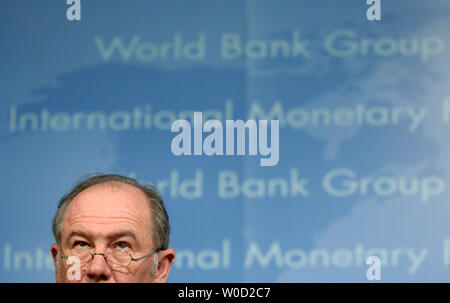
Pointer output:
x,y
122,234
116,235
78,233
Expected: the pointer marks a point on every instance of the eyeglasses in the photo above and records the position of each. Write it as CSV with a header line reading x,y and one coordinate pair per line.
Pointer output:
x,y
116,258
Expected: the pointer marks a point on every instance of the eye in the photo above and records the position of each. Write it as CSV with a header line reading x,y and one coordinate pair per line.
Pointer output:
x,y
80,244
123,245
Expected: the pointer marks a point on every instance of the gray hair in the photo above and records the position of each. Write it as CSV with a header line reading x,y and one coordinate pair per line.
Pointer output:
x,y
161,227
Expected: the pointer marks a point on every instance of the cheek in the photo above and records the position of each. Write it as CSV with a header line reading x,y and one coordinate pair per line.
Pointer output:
x,y
124,278
62,271
63,274
137,275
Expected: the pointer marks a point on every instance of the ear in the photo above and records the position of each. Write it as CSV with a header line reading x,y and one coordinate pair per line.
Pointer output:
x,y
54,250
166,258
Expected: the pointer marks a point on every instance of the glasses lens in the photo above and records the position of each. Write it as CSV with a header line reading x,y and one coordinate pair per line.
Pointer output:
x,y
120,258
84,255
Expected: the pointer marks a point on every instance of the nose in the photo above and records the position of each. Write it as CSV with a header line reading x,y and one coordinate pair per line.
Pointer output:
x,y
98,270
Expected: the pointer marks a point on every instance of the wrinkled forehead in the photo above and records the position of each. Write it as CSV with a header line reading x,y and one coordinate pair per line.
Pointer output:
x,y
109,204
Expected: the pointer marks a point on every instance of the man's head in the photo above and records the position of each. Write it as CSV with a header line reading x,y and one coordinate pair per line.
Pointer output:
x,y
111,218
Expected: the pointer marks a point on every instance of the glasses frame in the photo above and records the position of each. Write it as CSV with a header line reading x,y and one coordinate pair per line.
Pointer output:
x,y
107,254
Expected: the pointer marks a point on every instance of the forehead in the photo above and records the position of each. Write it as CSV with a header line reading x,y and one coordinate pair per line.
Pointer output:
x,y
109,204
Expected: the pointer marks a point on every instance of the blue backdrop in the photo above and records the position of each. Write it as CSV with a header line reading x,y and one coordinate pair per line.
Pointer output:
x,y
364,111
